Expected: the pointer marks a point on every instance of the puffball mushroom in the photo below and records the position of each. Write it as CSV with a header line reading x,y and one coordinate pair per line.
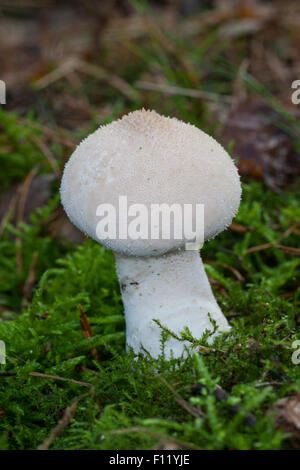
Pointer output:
x,y
153,159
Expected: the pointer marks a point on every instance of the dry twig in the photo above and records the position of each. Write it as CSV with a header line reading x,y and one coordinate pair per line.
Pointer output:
x,y
20,214
65,421
31,277
196,412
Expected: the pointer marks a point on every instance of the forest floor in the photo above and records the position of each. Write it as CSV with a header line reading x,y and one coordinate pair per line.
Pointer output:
x,y
68,382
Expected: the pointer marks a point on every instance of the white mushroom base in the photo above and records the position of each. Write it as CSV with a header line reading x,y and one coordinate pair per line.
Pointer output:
x,y
172,288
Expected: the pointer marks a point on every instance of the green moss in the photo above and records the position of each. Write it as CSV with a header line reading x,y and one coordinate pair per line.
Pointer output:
x,y
131,395
133,404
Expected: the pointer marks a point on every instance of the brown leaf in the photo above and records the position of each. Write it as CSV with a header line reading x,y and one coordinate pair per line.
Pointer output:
x,y
263,150
287,415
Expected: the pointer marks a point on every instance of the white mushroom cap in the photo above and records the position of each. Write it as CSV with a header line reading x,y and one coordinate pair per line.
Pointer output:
x,y
150,159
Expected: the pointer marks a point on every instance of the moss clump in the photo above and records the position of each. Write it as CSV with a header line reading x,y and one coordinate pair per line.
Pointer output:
x,y
134,404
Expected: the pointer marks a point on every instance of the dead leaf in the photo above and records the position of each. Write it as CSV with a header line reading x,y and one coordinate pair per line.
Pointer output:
x,y
263,150
287,415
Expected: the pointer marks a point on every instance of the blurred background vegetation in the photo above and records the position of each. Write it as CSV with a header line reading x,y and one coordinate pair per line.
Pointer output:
x,y
226,66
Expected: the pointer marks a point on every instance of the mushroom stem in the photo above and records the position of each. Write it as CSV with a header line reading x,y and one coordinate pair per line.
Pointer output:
x,y
172,288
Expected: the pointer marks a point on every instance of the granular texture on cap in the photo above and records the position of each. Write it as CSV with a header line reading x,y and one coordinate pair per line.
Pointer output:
x,y
151,159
